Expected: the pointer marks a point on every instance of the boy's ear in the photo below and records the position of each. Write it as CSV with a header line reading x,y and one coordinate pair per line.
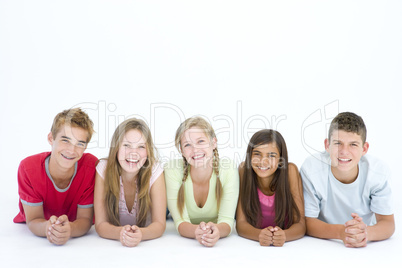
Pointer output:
x,y
50,138
365,148
326,144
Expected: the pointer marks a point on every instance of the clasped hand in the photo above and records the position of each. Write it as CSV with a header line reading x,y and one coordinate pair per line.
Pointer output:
x,y
355,234
58,230
207,234
272,236
130,236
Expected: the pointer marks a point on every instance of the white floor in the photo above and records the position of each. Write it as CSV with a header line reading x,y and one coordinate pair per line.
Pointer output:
x,y
20,248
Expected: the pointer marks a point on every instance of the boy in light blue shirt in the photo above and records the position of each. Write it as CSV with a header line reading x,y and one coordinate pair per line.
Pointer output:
x,y
346,192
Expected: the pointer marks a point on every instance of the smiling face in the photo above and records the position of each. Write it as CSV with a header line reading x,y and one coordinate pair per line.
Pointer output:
x,y
67,147
265,159
345,150
197,147
132,153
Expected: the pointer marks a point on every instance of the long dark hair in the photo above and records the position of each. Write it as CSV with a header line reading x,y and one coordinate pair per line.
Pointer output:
x,y
286,211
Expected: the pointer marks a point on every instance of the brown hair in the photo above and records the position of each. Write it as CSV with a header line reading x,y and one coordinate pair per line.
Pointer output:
x,y
114,170
201,123
348,122
75,118
286,211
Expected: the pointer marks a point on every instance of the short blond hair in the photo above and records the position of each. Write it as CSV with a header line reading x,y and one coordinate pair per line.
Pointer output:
x,y
75,118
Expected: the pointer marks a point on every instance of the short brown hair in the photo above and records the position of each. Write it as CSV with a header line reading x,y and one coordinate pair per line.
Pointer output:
x,y
75,118
348,122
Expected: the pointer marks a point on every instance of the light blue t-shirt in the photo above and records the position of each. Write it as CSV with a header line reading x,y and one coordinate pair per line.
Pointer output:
x,y
332,201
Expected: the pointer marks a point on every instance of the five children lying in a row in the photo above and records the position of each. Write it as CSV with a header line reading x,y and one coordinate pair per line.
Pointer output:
x,y
341,193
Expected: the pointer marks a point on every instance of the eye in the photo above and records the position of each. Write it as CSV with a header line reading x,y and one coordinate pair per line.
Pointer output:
x,y
126,145
141,146
65,140
81,145
272,155
186,145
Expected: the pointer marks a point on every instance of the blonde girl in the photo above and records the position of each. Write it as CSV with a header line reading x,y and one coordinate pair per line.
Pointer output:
x,y
130,196
270,208
202,191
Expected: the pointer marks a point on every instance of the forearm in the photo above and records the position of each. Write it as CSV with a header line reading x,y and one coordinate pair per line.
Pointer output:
x,y
108,231
320,229
224,229
381,231
246,230
152,231
38,227
296,231
187,229
80,227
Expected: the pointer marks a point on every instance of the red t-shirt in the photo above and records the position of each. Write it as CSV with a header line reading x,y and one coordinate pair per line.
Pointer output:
x,y
36,187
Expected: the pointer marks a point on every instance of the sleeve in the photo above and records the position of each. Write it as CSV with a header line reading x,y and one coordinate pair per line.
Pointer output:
x,y
157,170
28,194
87,197
173,178
228,205
381,197
101,168
312,201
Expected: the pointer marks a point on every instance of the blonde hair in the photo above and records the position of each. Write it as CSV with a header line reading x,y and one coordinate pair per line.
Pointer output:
x,y
114,170
201,123
75,118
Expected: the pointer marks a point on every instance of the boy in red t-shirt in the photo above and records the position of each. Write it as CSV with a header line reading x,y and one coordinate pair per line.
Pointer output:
x,y
56,188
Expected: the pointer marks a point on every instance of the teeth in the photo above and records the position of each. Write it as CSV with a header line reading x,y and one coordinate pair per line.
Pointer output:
x,y
263,168
198,156
132,161
69,158
344,159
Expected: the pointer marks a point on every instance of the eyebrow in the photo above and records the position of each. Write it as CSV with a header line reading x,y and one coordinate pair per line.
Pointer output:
x,y
68,138
256,151
143,143
349,142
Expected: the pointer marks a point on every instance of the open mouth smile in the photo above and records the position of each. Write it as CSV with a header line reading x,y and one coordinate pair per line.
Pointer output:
x,y
66,157
198,156
344,160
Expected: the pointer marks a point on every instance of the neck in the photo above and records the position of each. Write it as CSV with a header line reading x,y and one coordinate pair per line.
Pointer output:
x,y
346,176
59,173
263,184
129,177
201,174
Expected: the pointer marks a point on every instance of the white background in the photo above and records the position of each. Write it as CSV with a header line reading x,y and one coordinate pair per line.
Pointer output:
x,y
243,65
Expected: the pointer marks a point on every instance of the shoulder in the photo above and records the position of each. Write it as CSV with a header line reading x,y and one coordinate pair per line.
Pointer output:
x,y
173,169
374,167
227,169
292,170
34,161
316,163
88,159
157,170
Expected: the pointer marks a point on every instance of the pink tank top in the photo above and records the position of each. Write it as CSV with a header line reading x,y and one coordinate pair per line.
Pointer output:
x,y
267,204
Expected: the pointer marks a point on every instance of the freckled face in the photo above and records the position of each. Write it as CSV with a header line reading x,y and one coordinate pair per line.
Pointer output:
x,y
132,153
265,160
196,147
